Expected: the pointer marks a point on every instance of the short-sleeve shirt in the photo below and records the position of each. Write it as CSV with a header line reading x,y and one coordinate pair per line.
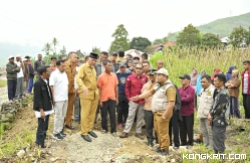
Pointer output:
x,y
107,83
59,81
170,93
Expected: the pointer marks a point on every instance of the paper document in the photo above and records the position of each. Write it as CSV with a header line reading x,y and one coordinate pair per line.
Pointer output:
x,y
38,114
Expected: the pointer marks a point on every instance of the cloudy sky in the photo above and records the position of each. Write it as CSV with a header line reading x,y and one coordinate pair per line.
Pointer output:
x,y
83,24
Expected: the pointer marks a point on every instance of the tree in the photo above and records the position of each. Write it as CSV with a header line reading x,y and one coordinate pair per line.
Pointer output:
x,y
55,42
189,36
139,43
238,36
121,41
79,53
47,48
96,50
210,40
248,36
160,41
63,51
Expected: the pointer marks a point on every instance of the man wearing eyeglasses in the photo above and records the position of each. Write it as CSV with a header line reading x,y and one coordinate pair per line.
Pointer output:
x,y
133,88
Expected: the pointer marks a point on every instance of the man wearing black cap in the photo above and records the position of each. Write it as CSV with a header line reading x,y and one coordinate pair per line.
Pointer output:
x,y
187,93
89,96
246,88
12,70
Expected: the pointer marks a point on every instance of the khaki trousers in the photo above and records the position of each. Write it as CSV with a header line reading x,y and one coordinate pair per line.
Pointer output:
x,y
88,112
162,129
68,119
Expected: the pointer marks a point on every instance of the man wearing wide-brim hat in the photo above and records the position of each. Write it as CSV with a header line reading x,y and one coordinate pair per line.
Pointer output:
x,y
12,70
89,96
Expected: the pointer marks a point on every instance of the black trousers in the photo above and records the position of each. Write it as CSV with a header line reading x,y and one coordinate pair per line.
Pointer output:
x,y
108,106
43,125
11,89
122,109
246,104
186,129
149,119
174,129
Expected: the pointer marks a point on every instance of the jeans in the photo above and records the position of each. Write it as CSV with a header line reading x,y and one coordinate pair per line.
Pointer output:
x,y
11,89
43,125
234,107
122,109
30,85
108,106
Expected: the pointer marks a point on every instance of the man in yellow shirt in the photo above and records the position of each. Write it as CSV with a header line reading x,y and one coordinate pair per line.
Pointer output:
x,y
89,96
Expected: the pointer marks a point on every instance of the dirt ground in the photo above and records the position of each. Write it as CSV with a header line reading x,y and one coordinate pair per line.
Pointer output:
x,y
74,149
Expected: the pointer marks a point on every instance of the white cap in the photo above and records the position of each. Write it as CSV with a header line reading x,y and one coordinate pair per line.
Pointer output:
x,y
18,55
163,71
25,59
11,57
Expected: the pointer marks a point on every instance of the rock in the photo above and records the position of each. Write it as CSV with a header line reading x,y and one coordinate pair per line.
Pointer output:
x,y
20,153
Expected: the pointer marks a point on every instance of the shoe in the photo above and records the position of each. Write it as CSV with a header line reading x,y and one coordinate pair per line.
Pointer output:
x,y
139,136
63,134
176,148
120,127
124,135
86,138
91,133
104,131
40,146
158,150
150,143
164,153
114,134
57,136
69,127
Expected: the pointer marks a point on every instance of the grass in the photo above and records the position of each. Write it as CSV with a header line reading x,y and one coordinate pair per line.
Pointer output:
x,y
3,83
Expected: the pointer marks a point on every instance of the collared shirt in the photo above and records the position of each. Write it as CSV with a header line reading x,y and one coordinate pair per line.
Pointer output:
x,y
134,85
86,78
187,100
107,83
20,73
206,101
71,72
219,108
59,81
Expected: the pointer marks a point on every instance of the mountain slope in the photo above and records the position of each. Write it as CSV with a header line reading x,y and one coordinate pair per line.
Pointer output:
x,y
222,27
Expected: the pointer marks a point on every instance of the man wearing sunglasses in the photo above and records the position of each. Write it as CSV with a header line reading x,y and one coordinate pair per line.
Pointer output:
x,y
133,88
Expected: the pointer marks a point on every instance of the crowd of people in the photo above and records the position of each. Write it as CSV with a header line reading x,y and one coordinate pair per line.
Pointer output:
x,y
125,90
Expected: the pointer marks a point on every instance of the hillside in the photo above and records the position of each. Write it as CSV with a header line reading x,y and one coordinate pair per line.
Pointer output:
x,y
222,27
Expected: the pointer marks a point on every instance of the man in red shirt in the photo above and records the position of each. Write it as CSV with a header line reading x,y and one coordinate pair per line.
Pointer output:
x,y
133,88
246,88
108,87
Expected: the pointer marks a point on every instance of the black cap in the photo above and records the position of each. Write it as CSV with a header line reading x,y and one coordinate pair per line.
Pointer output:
x,y
114,54
53,57
247,61
185,76
152,71
27,57
93,55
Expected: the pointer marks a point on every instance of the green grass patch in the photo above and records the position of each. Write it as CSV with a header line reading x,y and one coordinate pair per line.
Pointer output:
x,y
3,83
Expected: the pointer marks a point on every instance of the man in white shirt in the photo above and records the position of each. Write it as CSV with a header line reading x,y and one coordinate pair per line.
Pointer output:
x,y
20,83
58,82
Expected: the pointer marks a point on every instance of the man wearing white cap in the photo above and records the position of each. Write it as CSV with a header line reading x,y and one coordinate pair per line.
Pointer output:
x,y
12,70
19,84
163,102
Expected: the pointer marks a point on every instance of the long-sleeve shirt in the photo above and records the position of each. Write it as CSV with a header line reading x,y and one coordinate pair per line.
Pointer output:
x,y
187,100
219,108
38,64
134,85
